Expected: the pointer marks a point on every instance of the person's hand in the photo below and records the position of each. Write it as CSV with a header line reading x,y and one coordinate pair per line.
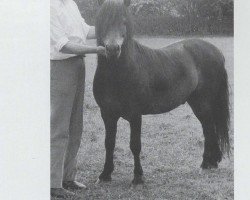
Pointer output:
x,y
101,50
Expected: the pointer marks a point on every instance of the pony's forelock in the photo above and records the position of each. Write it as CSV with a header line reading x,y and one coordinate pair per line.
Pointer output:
x,y
111,13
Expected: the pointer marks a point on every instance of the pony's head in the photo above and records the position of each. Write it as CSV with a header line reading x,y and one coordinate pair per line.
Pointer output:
x,y
113,25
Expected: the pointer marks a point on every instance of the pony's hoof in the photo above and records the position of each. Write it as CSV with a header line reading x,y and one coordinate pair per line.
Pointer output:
x,y
99,181
104,178
204,171
208,165
138,180
137,187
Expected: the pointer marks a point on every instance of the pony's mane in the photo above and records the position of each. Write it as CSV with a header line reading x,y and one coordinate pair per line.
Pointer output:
x,y
142,55
112,12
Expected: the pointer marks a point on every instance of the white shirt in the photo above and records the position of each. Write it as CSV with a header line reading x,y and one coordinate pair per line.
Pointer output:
x,y
66,24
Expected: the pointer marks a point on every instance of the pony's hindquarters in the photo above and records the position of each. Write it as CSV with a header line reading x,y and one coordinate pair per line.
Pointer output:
x,y
210,100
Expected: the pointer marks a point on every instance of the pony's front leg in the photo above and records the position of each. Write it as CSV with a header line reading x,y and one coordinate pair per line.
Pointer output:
x,y
110,122
135,146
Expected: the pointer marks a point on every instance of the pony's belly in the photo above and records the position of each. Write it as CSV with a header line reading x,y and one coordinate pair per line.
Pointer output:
x,y
158,108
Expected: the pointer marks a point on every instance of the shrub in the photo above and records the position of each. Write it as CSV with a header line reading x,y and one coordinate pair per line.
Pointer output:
x,y
173,17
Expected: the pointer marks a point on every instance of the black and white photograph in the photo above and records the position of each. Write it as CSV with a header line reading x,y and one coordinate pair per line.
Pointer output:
x,y
124,99
158,82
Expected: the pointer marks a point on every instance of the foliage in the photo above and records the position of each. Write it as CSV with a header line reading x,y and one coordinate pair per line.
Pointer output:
x,y
174,17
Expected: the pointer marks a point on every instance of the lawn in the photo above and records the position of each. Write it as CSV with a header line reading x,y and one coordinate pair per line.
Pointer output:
x,y
172,148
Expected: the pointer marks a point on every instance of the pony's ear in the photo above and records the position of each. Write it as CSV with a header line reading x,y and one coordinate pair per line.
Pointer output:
x,y
127,2
100,2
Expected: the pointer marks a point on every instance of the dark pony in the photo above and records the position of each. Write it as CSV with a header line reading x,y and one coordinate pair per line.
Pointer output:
x,y
134,80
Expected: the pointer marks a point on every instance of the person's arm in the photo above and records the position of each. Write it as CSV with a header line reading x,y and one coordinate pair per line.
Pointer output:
x,y
91,33
74,48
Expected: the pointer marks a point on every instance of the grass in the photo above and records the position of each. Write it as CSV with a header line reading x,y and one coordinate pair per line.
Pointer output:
x,y
172,148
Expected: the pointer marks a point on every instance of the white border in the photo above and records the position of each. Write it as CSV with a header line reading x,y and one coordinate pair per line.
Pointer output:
x,y
242,100
24,99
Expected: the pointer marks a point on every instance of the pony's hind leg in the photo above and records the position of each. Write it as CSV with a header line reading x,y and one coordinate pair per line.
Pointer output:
x,y
203,110
135,146
110,122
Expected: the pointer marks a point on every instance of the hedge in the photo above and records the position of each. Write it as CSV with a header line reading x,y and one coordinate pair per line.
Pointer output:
x,y
156,24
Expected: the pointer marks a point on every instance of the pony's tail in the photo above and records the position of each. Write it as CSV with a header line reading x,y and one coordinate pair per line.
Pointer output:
x,y
222,114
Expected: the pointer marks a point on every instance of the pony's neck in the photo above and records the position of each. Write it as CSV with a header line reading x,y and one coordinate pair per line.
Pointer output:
x,y
128,46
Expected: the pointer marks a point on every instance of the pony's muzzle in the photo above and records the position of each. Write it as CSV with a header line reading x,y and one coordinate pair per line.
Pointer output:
x,y
113,50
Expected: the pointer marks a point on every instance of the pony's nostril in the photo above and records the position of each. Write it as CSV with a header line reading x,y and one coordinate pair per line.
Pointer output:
x,y
113,49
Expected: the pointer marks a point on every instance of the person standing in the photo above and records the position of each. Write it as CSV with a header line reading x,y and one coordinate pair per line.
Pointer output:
x,y
68,34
